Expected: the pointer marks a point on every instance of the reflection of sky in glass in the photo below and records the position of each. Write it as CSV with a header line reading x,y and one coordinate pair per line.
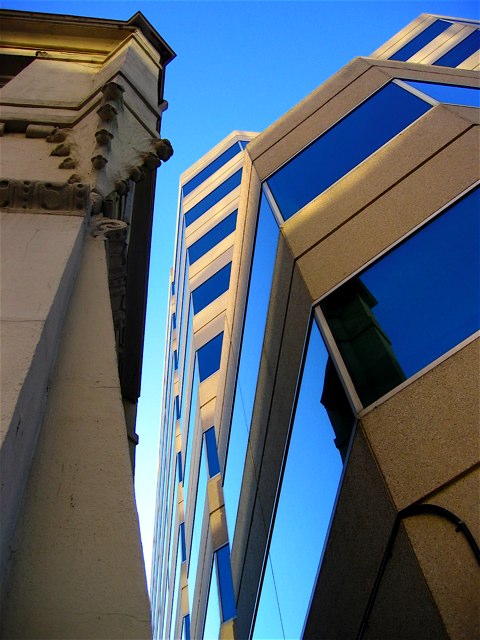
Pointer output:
x,y
211,168
428,288
176,589
212,288
255,319
227,595
212,237
309,487
212,619
463,50
451,94
189,434
197,526
420,41
213,197
345,145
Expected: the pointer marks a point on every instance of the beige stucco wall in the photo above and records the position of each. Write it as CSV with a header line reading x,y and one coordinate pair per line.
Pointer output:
x,y
77,568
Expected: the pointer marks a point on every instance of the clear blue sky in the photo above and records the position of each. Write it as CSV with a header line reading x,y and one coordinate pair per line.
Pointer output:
x,y
239,65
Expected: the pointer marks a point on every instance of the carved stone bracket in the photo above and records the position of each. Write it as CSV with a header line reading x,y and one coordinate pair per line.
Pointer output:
x,y
106,228
17,196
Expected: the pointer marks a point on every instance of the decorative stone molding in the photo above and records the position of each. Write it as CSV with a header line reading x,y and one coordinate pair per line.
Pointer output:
x,y
61,150
122,187
96,203
103,137
38,131
68,163
99,162
113,91
163,149
27,196
57,135
151,161
137,174
74,178
106,228
107,112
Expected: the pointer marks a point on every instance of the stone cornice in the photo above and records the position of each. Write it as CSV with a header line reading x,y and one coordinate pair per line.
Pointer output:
x,y
33,196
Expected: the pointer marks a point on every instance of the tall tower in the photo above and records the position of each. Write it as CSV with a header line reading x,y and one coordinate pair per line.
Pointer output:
x,y
319,459
81,104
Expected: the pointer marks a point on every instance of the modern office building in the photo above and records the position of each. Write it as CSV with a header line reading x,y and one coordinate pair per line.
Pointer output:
x,y
318,471
80,110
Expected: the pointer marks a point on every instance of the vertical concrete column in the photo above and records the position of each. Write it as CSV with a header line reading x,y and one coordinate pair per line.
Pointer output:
x,y
76,569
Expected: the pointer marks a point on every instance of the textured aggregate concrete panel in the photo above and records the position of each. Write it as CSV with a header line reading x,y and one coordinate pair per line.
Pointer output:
x,y
70,576
446,558
422,436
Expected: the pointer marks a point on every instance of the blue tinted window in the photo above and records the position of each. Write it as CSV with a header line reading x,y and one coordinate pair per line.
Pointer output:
x,y
210,170
420,41
213,197
344,146
190,432
463,50
182,542
227,597
244,143
212,237
186,628
197,526
176,589
185,363
212,455
254,326
306,500
451,94
209,357
211,629
412,305
212,288
179,467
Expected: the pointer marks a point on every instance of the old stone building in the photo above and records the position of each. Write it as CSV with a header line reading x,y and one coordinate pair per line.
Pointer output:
x,y
81,105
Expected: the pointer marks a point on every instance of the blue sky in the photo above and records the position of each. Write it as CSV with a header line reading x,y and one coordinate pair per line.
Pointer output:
x,y
239,65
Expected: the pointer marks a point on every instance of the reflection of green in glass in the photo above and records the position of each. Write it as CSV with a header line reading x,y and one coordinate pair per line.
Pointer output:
x,y
413,305
365,348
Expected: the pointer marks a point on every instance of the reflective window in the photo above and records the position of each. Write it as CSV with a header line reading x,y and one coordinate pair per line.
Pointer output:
x,y
211,629
359,134
212,455
211,168
306,500
213,197
186,628
212,288
227,597
176,589
451,94
212,237
209,357
463,50
244,143
420,41
185,366
412,305
191,430
197,526
263,263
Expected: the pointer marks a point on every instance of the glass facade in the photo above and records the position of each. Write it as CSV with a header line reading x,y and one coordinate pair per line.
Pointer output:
x,y
212,288
263,263
213,197
184,468
212,237
448,93
373,123
463,50
411,306
216,164
320,434
421,40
